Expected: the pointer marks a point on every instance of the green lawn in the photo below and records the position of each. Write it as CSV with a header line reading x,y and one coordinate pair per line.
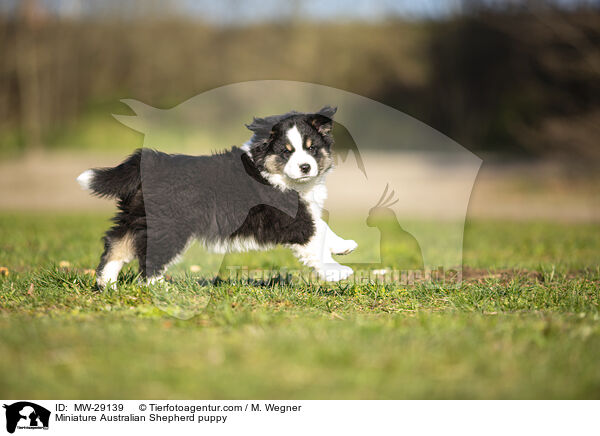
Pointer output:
x,y
525,324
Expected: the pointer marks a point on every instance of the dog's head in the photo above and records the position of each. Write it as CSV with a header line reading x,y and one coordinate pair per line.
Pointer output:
x,y
293,149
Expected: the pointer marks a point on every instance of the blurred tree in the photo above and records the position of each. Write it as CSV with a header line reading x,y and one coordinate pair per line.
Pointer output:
x,y
505,77
31,17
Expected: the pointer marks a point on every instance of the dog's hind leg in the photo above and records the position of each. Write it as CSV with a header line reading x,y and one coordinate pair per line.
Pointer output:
x,y
160,250
118,250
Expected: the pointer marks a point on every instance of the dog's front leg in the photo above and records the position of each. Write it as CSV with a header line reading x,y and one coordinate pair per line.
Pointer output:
x,y
317,255
336,244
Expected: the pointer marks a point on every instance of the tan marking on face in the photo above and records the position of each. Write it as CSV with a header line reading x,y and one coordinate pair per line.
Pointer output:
x,y
308,143
273,164
326,161
289,147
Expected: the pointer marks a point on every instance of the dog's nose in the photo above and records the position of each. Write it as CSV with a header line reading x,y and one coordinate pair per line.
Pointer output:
x,y
305,168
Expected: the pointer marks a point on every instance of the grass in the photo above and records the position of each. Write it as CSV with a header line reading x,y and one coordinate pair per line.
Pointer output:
x,y
524,324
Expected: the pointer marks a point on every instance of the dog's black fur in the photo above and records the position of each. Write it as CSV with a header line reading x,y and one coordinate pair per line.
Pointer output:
x,y
171,206
166,200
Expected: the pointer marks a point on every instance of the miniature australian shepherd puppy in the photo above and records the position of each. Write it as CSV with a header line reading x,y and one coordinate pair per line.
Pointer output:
x,y
269,192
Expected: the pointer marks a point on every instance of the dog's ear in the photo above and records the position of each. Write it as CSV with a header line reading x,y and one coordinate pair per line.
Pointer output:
x,y
323,120
327,111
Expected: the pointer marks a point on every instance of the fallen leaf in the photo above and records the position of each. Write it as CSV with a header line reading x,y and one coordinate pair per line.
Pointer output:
x,y
3,271
30,290
64,264
337,316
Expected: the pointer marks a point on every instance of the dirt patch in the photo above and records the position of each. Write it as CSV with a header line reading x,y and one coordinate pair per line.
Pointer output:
x,y
503,275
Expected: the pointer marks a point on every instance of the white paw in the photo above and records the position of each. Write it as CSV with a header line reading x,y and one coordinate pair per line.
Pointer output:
x,y
106,284
334,272
155,280
344,246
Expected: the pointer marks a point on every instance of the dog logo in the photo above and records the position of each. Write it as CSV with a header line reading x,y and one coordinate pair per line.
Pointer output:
x,y
26,415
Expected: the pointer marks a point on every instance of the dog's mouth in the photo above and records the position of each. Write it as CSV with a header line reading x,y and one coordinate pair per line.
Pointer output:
x,y
302,179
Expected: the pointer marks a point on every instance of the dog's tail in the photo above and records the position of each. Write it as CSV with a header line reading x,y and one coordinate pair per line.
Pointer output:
x,y
118,182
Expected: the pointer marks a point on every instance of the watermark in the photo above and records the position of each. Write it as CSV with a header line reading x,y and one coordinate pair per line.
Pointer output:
x,y
359,191
25,415
286,276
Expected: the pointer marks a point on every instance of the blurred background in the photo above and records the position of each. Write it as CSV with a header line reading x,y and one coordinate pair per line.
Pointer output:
x,y
515,82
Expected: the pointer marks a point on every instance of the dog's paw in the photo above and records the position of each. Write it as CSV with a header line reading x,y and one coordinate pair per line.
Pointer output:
x,y
344,246
334,272
156,280
106,285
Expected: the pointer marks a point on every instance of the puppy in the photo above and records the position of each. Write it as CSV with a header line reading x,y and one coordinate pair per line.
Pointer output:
x,y
269,192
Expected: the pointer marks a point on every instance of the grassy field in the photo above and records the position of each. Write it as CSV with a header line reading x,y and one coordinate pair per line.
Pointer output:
x,y
524,324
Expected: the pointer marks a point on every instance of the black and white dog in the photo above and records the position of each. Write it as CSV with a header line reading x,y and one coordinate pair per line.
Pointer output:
x,y
271,191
